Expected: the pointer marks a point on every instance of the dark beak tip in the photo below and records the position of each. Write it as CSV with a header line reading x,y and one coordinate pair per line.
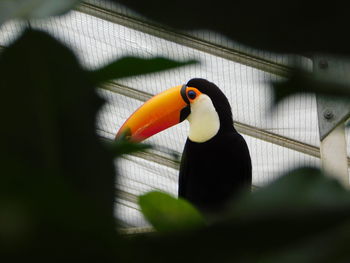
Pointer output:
x,y
184,113
123,134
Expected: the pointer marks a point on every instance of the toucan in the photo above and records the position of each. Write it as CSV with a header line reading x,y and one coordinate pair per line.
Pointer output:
x,y
215,165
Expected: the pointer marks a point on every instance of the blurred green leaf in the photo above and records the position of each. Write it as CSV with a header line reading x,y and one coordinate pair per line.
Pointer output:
x,y
26,9
122,146
304,82
131,66
301,212
169,214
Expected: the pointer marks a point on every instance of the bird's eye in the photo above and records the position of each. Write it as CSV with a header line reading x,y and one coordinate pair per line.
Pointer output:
x,y
191,94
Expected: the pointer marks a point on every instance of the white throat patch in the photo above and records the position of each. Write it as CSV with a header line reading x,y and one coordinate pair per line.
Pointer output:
x,y
204,120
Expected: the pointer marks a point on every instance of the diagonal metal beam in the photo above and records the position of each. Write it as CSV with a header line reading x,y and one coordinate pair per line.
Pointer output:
x,y
184,39
241,127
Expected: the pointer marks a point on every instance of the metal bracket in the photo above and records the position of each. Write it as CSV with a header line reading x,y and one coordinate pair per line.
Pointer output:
x,y
331,111
330,114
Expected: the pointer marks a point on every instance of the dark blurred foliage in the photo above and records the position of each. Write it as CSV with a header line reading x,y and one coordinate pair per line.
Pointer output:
x,y
302,217
131,66
302,27
57,177
57,181
334,87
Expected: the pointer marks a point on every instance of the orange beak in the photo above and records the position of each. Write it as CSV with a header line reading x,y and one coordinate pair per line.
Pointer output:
x,y
157,114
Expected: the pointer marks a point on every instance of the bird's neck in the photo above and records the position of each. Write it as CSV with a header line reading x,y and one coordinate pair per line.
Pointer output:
x,y
204,120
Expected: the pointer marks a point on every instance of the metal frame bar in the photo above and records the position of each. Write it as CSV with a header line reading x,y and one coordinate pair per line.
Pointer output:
x,y
241,127
334,155
184,39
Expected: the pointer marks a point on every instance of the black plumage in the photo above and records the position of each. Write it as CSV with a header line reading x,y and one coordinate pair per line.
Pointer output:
x,y
215,171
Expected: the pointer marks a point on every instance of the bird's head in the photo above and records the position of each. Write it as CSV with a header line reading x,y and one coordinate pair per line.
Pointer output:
x,y
199,101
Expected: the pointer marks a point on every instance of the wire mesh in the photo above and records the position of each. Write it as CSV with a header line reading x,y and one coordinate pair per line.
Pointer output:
x,y
98,42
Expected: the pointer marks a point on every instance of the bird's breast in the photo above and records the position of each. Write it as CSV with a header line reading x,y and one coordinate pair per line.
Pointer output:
x,y
214,171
